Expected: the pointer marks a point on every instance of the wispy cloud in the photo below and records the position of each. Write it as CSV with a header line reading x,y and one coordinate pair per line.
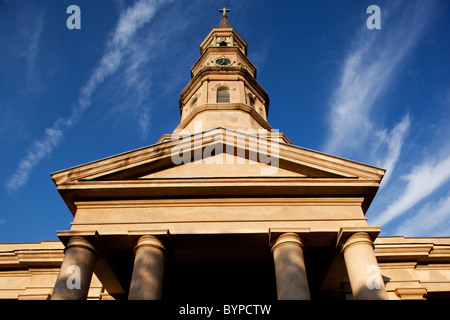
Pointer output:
x,y
394,141
136,80
33,39
144,121
38,151
116,49
423,180
367,70
432,219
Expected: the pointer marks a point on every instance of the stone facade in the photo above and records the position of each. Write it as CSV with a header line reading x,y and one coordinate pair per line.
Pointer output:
x,y
224,205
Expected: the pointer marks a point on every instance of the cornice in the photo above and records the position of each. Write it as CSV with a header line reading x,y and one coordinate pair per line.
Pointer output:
x,y
224,106
302,156
27,255
208,202
391,249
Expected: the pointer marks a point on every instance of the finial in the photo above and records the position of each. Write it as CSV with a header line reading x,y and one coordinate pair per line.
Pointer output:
x,y
224,10
224,21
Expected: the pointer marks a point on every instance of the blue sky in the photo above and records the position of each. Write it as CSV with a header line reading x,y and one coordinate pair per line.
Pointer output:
x,y
381,97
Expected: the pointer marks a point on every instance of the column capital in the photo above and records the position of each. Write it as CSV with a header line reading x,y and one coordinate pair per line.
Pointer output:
x,y
357,238
79,241
149,241
275,233
157,238
288,238
85,239
345,233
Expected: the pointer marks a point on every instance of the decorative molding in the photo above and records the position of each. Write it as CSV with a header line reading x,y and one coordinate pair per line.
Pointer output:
x,y
275,234
411,293
346,232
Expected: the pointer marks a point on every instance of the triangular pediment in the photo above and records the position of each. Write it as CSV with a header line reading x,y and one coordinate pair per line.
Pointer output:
x,y
218,153
222,166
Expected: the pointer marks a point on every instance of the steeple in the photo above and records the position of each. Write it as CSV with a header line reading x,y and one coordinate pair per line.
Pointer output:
x,y
223,91
224,21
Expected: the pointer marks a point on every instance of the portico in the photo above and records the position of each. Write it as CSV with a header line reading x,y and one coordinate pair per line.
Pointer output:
x,y
283,249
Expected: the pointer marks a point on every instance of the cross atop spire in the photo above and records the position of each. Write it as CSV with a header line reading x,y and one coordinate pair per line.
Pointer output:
x,y
224,10
224,21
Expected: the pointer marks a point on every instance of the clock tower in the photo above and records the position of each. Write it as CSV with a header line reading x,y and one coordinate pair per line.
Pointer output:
x,y
223,91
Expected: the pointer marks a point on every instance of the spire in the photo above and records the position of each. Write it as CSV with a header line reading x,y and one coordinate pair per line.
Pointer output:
x,y
223,90
224,21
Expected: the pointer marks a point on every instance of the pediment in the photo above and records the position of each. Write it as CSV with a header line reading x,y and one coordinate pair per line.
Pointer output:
x,y
218,153
221,166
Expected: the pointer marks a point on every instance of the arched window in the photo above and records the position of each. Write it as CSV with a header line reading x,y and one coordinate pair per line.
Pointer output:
x,y
223,96
252,101
223,44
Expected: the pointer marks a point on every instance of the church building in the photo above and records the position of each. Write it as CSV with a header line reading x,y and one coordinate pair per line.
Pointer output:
x,y
225,206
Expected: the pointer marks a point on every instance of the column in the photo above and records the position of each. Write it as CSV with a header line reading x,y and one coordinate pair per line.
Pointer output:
x,y
75,275
290,272
362,268
148,270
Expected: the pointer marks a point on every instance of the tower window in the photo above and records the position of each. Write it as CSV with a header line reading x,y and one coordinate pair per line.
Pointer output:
x,y
223,96
252,101
223,44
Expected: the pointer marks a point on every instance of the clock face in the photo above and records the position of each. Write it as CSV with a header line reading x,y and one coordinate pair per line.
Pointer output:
x,y
223,61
